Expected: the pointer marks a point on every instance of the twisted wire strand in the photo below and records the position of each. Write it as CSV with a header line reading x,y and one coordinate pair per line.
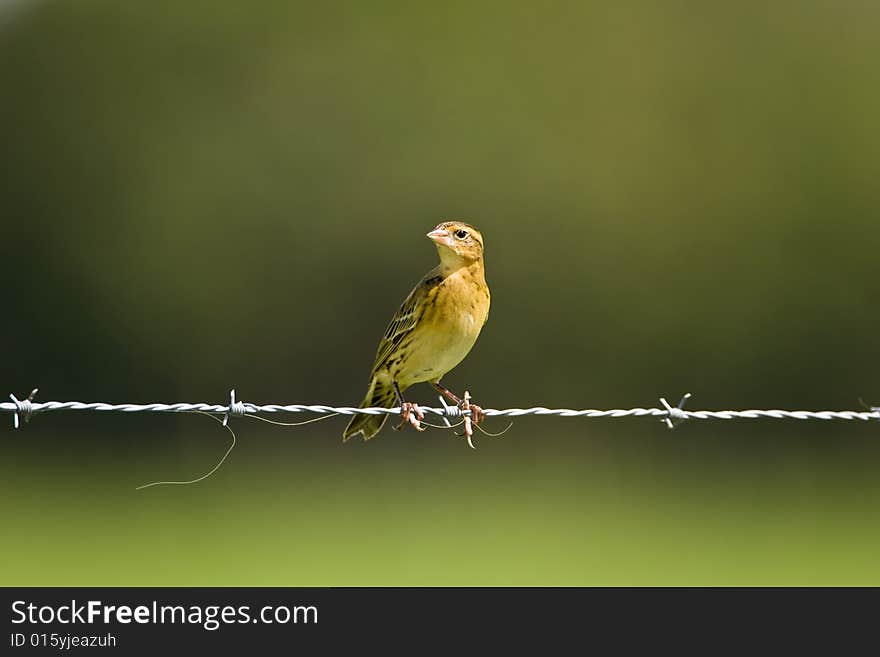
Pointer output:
x,y
24,409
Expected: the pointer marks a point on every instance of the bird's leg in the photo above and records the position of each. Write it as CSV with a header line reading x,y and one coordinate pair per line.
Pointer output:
x,y
409,412
446,393
476,413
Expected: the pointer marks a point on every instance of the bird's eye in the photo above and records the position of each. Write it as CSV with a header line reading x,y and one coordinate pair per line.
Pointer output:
x,y
460,234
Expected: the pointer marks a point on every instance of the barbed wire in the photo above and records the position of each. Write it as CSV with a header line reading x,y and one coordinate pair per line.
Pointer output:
x,y
23,410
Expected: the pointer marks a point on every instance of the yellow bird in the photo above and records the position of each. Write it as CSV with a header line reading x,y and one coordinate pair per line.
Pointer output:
x,y
432,331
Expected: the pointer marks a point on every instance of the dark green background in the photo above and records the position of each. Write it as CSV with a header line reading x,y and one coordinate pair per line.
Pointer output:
x,y
675,196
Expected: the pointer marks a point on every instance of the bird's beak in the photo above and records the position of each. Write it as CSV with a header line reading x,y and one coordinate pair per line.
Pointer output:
x,y
439,236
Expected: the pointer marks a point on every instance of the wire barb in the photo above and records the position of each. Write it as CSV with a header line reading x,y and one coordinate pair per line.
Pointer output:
x,y
675,415
873,409
450,411
235,408
23,408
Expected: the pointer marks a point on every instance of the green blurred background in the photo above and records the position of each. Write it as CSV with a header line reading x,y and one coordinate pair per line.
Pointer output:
x,y
676,196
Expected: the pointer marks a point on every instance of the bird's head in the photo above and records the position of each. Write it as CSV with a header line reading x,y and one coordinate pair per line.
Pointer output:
x,y
457,241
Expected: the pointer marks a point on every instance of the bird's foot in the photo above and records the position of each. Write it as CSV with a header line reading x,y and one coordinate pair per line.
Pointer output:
x,y
411,414
473,420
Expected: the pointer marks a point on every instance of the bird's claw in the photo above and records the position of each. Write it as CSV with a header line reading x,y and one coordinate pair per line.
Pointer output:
x,y
470,421
411,414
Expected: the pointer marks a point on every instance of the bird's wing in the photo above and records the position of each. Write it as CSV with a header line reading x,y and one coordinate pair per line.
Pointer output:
x,y
402,324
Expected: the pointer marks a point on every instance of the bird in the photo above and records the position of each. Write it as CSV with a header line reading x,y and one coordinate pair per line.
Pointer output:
x,y
431,332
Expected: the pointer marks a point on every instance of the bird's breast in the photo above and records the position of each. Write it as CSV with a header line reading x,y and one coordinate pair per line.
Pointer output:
x,y
454,313
461,306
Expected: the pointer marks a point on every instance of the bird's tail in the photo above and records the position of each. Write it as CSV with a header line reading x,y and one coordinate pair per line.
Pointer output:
x,y
380,395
